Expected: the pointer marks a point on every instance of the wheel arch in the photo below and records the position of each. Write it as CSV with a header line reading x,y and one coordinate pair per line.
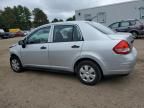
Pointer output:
x,y
14,55
90,59
134,31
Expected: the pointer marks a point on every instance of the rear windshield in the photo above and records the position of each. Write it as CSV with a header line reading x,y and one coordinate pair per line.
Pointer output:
x,y
101,28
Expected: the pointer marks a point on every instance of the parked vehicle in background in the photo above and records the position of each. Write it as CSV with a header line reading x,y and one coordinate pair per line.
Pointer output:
x,y
132,26
1,33
19,34
87,48
5,35
26,32
8,35
14,30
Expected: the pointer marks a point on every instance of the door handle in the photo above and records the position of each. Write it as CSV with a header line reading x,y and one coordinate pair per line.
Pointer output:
x,y
43,47
75,46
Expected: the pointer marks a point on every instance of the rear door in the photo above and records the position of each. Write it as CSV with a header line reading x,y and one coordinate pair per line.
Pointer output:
x,y
65,47
124,26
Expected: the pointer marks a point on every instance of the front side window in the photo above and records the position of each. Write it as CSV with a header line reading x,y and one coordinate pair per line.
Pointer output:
x,y
115,25
40,36
125,24
66,33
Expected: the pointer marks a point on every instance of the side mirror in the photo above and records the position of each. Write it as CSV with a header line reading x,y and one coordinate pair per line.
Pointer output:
x,y
22,43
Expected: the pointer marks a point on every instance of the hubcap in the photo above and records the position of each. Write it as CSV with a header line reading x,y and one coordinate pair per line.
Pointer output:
x,y
15,64
134,34
87,73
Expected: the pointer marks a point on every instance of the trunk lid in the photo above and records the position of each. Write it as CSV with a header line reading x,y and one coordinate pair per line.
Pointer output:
x,y
123,36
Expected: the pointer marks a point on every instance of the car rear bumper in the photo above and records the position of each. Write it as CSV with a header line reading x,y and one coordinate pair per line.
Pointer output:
x,y
125,67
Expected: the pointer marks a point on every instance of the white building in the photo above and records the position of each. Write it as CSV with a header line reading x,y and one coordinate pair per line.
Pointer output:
x,y
112,13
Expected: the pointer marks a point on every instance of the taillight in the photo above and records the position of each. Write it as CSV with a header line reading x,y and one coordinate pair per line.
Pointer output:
x,y
122,48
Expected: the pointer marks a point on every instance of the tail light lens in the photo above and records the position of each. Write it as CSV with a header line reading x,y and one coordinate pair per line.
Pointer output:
x,y
122,48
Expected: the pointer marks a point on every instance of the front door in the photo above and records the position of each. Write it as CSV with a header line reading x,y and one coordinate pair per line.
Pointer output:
x,y
36,51
66,46
115,26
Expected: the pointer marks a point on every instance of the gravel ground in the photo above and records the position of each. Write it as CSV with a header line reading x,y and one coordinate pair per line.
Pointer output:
x,y
39,89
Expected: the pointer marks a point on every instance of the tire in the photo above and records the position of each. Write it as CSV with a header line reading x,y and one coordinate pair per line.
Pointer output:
x,y
89,72
16,64
124,75
135,34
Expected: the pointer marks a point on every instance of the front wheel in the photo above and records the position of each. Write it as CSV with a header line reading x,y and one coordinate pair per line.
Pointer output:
x,y
89,72
16,64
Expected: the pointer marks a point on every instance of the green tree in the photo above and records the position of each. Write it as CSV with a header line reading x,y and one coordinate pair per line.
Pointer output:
x,y
40,17
60,20
71,19
16,17
20,17
56,20
8,17
27,18
2,21
23,17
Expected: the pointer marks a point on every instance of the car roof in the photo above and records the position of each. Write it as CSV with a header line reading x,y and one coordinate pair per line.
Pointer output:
x,y
60,23
124,21
63,23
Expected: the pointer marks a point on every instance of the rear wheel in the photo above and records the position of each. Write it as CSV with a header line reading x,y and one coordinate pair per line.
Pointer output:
x,y
135,34
16,64
125,74
89,72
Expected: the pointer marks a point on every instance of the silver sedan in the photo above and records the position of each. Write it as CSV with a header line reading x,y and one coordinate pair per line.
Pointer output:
x,y
87,48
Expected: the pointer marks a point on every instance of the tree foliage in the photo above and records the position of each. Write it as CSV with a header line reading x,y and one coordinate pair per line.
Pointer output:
x,y
71,19
40,17
57,20
16,17
20,17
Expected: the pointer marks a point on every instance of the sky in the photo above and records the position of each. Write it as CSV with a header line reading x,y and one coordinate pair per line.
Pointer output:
x,y
61,9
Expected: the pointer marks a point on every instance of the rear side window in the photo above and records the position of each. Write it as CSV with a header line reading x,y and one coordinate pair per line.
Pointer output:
x,y
66,33
132,23
125,24
77,34
103,29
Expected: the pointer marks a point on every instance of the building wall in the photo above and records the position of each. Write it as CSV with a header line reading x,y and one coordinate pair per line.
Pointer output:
x,y
112,13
